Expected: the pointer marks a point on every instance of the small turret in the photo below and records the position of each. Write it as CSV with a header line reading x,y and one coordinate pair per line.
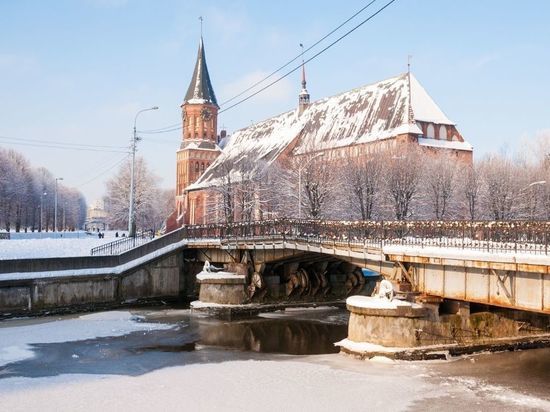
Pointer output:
x,y
303,97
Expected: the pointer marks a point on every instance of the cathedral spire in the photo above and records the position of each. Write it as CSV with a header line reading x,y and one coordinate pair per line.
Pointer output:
x,y
200,89
303,97
410,114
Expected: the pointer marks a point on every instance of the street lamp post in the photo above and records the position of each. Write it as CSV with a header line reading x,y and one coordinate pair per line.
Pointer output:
x,y
531,209
41,209
55,204
131,211
64,208
300,182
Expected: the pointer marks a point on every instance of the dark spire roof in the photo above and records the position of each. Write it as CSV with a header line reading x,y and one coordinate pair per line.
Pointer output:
x,y
200,89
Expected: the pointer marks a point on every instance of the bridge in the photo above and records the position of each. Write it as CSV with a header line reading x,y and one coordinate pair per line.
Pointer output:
x,y
503,264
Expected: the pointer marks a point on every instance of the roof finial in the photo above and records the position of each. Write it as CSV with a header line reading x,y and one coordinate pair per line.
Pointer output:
x,y
411,113
201,19
303,68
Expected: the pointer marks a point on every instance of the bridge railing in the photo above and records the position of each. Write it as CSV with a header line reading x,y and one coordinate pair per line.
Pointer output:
x,y
121,245
501,236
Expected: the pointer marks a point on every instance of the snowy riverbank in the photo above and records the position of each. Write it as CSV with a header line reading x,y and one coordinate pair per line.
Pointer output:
x,y
47,244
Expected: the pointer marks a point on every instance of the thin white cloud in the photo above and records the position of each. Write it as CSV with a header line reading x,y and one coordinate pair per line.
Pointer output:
x,y
110,4
225,23
17,62
481,62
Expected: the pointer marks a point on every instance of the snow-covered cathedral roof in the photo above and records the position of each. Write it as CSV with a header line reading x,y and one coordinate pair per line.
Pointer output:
x,y
366,114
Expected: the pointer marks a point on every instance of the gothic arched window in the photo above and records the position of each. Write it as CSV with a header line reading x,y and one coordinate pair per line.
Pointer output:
x,y
442,132
430,131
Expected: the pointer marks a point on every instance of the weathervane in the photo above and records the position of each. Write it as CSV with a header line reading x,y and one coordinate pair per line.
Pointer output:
x,y
201,19
411,113
303,68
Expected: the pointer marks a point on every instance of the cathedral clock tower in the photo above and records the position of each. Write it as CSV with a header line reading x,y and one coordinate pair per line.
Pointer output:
x,y
199,147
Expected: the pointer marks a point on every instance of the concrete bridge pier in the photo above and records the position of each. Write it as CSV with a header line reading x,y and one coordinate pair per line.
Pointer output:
x,y
280,275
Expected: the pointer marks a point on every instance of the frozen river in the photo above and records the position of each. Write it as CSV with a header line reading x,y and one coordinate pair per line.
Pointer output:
x,y
170,359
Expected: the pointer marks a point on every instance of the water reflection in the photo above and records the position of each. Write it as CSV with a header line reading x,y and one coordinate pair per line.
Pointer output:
x,y
295,337
193,339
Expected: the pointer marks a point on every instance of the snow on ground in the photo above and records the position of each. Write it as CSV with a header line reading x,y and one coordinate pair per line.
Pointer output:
x,y
320,383
375,302
93,271
218,275
45,248
361,347
228,386
466,253
197,304
47,244
16,341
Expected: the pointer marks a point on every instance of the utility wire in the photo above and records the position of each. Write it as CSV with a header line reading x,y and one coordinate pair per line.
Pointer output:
x,y
173,127
59,143
310,59
94,167
177,126
83,149
155,139
120,161
298,56
161,129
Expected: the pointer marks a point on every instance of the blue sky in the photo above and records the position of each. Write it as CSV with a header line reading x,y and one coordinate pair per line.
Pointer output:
x,y
78,70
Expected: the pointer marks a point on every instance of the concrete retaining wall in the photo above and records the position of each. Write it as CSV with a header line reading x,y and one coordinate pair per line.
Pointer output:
x,y
161,278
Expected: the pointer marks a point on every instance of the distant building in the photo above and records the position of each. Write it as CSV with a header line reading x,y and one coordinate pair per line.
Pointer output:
x,y
360,122
96,217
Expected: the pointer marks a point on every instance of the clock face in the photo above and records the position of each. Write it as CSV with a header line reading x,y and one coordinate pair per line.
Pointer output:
x,y
205,114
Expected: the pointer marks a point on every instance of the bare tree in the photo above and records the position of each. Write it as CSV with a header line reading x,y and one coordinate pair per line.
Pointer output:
x,y
24,198
147,195
318,179
245,194
471,189
439,181
403,174
362,180
44,192
221,203
501,187
534,194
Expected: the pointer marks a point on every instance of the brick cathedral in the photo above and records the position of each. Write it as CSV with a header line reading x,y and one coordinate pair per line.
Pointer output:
x,y
387,115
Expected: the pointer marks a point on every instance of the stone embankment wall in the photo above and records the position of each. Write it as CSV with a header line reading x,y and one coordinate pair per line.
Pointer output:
x,y
158,279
